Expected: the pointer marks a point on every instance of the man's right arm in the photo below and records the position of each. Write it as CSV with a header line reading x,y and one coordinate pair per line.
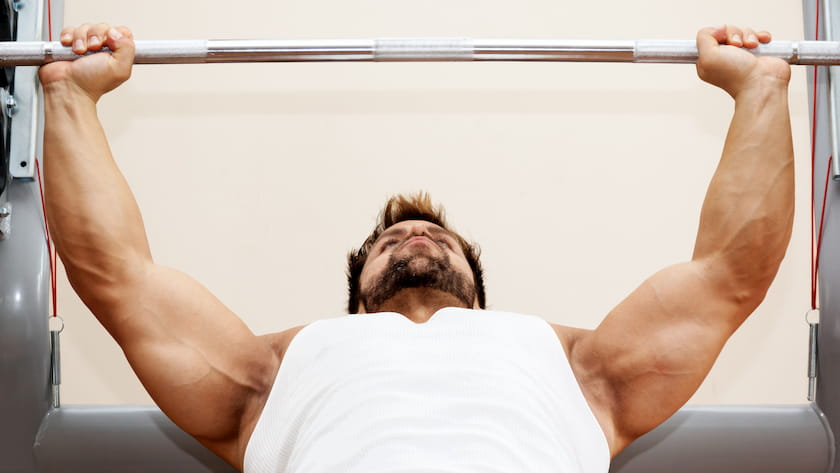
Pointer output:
x,y
205,369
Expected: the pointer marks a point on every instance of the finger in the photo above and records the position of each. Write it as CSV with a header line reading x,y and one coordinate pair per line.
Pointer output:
x,y
708,39
96,36
734,36
80,39
764,36
122,46
750,38
67,36
125,31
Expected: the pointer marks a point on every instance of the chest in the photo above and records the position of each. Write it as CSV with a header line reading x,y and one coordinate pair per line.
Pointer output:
x,y
392,388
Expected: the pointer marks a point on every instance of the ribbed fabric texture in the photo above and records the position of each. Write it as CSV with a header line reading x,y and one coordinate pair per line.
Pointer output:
x,y
467,392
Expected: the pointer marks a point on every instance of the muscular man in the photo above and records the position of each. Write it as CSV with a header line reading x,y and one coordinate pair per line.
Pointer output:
x,y
421,379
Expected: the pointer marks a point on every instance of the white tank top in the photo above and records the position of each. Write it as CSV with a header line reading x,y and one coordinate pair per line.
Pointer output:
x,y
469,391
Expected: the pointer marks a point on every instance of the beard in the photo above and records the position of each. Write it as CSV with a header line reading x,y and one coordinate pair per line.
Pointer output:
x,y
407,272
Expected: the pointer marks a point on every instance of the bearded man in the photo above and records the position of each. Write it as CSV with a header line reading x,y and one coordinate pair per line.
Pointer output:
x,y
419,378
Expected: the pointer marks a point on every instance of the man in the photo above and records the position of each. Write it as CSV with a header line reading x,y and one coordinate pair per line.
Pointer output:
x,y
419,380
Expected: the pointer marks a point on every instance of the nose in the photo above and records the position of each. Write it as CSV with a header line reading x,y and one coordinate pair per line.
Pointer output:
x,y
417,229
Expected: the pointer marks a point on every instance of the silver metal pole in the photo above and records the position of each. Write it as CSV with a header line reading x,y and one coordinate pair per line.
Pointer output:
x,y
832,93
813,353
418,49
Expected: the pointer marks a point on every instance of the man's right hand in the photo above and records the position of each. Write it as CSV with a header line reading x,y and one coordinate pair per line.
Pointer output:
x,y
95,74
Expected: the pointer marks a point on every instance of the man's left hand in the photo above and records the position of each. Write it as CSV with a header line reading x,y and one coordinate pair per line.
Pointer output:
x,y
725,62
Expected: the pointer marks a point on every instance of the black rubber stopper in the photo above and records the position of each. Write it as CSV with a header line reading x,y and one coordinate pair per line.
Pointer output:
x,y
5,132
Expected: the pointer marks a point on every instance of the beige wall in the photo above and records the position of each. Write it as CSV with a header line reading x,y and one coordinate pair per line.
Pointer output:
x,y
577,180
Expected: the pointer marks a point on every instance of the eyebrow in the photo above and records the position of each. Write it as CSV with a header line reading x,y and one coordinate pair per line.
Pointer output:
x,y
440,231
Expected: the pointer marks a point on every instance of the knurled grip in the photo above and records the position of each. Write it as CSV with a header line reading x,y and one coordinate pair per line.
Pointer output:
x,y
420,49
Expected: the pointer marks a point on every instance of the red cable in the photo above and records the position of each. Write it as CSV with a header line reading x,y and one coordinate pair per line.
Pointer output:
x,y
813,168
49,18
50,249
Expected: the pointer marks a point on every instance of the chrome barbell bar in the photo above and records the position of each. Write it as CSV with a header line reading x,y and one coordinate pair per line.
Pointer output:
x,y
36,53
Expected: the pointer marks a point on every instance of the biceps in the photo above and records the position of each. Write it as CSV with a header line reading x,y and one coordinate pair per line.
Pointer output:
x,y
655,348
197,360
200,398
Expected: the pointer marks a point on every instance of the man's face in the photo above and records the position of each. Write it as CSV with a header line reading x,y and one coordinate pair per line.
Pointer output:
x,y
415,254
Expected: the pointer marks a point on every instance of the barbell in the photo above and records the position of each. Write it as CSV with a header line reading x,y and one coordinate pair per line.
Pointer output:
x,y
36,53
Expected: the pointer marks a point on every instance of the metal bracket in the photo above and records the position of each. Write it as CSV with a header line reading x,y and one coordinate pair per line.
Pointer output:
x,y
5,220
55,360
813,353
26,103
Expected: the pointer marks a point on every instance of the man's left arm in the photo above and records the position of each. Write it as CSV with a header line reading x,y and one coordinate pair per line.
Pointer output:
x,y
653,350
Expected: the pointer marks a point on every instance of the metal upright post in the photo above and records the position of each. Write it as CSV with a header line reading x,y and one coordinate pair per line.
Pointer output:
x,y
828,374
24,340
24,286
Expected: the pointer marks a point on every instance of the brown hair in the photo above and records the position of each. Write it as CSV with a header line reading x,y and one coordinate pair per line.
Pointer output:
x,y
400,208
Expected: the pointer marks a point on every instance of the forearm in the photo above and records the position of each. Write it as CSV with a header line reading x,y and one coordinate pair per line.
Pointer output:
x,y
746,221
95,221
